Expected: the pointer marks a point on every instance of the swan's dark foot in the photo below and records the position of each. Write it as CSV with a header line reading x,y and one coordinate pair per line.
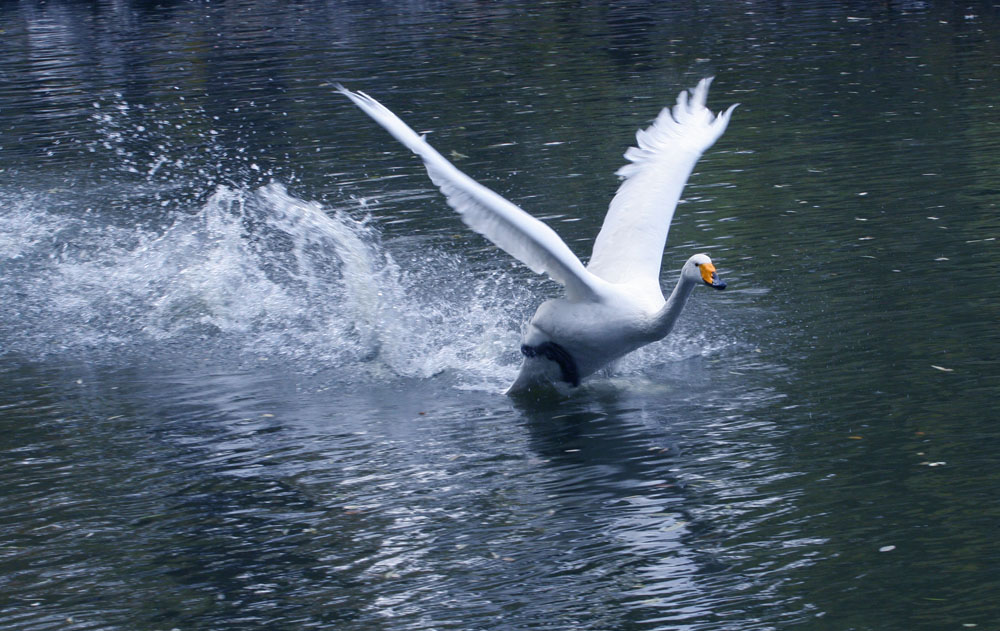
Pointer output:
x,y
558,354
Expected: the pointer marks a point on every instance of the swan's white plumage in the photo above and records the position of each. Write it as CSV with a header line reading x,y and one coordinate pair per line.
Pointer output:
x,y
519,234
629,247
614,305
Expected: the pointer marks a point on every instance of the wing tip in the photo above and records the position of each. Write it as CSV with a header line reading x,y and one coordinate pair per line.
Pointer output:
x,y
689,122
701,92
339,87
363,100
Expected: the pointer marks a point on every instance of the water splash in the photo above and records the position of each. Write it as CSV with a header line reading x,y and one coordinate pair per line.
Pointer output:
x,y
174,144
251,276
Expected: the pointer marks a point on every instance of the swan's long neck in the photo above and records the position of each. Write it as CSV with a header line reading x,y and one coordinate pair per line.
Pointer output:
x,y
665,318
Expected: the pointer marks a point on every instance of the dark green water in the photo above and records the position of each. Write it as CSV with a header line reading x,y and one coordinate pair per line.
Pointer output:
x,y
251,363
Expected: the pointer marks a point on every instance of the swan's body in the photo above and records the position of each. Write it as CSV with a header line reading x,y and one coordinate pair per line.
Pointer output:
x,y
614,305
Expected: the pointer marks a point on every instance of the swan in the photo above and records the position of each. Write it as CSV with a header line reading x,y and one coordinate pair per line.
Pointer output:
x,y
614,304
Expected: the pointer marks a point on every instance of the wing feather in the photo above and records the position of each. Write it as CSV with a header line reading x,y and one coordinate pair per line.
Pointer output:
x,y
513,230
629,247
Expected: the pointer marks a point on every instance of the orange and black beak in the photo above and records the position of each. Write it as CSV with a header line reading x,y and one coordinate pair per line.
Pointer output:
x,y
710,276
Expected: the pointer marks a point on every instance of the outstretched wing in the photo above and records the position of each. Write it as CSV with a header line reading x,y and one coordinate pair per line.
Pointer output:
x,y
629,247
510,228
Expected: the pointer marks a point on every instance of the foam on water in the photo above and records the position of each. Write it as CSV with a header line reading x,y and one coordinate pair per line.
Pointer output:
x,y
255,275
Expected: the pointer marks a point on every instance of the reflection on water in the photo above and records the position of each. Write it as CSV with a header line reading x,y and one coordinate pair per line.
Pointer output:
x,y
251,361
235,493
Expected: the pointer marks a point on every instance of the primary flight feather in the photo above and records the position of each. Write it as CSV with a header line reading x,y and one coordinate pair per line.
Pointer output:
x,y
613,305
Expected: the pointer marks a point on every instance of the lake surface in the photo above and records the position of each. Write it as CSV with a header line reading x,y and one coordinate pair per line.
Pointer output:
x,y
251,364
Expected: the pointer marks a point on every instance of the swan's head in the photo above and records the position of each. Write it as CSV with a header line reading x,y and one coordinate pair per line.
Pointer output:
x,y
699,268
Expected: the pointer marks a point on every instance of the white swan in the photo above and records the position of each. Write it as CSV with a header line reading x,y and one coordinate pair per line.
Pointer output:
x,y
614,305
